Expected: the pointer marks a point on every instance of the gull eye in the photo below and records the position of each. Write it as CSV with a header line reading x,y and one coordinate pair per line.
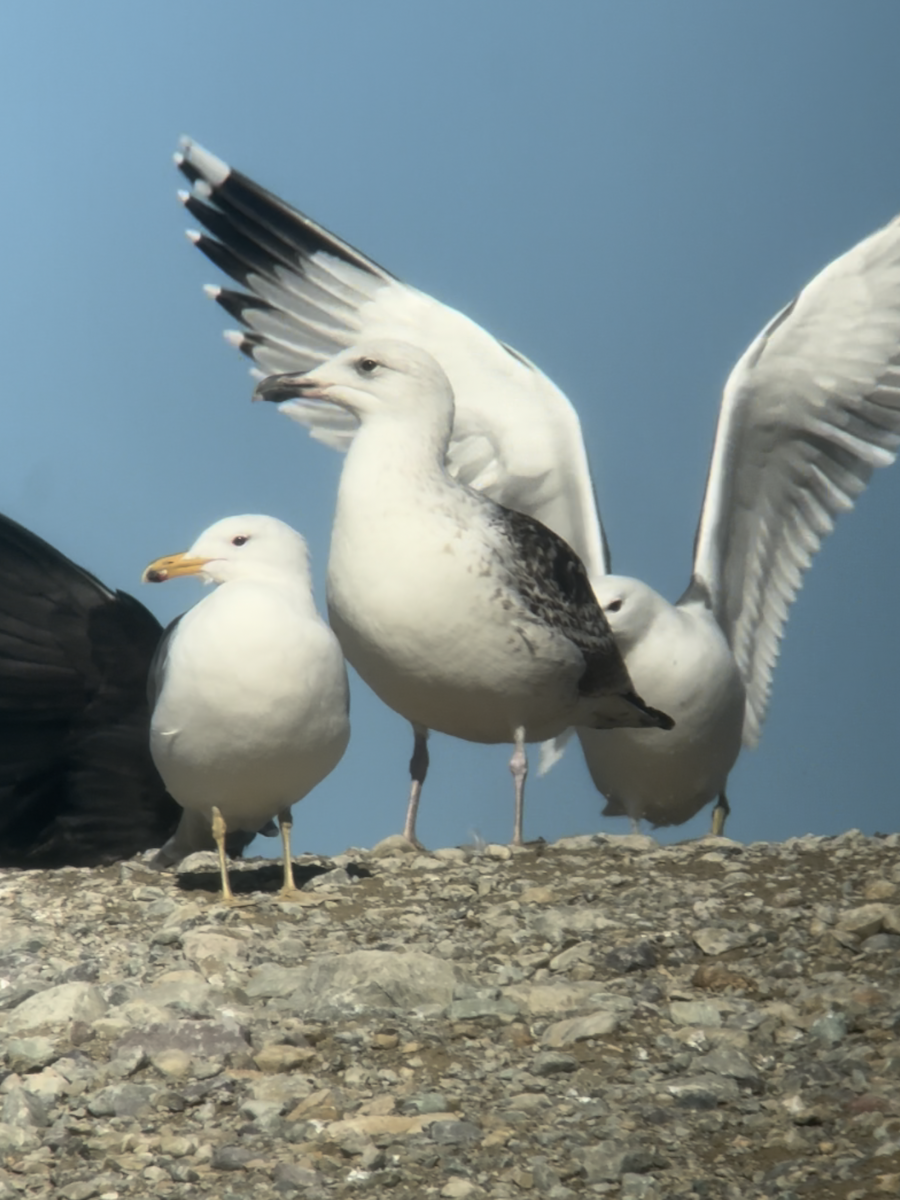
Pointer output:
x,y
614,606
366,366
240,539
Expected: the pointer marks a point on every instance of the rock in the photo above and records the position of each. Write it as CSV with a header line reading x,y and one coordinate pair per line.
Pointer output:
x,y
374,980
451,1132
457,1188
695,1012
121,1100
702,1091
278,1058
713,940
579,1029
863,921
57,1006
634,956
832,1028
30,1054
230,1158
24,1109
203,1077
553,1064
608,1161
196,1039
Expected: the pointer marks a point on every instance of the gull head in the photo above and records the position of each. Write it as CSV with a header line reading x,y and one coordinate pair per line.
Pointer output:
x,y
372,379
248,547
630,607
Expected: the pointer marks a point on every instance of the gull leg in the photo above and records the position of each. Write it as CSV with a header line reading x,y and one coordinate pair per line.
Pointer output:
x,y
289,890
218,832
518,765
719,813
418,769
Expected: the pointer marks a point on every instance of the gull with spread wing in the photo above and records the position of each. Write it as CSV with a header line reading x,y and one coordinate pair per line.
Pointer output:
x,y
462,615
810,409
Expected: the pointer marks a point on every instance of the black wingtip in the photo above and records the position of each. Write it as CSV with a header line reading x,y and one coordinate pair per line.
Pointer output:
x,y
658,719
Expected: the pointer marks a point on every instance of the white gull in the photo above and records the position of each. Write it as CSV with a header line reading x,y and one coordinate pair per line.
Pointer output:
x,y
808,412
462,615
249,688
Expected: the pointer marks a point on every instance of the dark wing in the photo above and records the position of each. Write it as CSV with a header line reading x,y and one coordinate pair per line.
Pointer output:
x,y
553,583
77,783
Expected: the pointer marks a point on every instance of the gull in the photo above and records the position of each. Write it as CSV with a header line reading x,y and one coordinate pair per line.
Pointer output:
x,y
249,689
77,784
808,412
462,615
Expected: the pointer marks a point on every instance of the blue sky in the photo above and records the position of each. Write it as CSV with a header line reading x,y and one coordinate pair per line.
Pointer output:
x,y
624,192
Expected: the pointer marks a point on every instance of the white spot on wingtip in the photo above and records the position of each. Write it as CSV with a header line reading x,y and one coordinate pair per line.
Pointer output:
x,y
212,290
233,337
183,196
193,235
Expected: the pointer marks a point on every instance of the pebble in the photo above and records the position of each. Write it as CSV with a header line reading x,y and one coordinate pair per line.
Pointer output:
x,y
478,1023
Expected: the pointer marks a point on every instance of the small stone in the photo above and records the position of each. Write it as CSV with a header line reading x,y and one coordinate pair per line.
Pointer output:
x,y
80,1189
695,1012
702,1091
832,1028
484,1010
121,1100
863,921
881,889
452,1132
177,1147
277,1059
385,1041
713,940
290,1177
458,1188
579,1029
390,847
230,1158
635,956
426,1102
24,1109
549,1063
538,895
30,1054
57,1006
172,1063
580,952
715,977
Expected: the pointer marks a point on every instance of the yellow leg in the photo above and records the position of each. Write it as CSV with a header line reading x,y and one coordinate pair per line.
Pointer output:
x,y
719,815
218,832
289,889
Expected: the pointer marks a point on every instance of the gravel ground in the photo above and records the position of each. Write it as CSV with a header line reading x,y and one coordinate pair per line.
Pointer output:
x,y
599,1017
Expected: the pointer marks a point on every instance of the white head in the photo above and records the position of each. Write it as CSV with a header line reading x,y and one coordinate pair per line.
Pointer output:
x,y
374,379
630,606
248,547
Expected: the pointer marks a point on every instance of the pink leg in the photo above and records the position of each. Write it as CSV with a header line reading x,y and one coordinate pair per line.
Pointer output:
x,y
418,769
518,765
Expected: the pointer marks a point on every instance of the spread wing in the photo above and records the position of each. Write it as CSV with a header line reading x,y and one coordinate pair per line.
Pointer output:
x,y
809,411
77,784
303,295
